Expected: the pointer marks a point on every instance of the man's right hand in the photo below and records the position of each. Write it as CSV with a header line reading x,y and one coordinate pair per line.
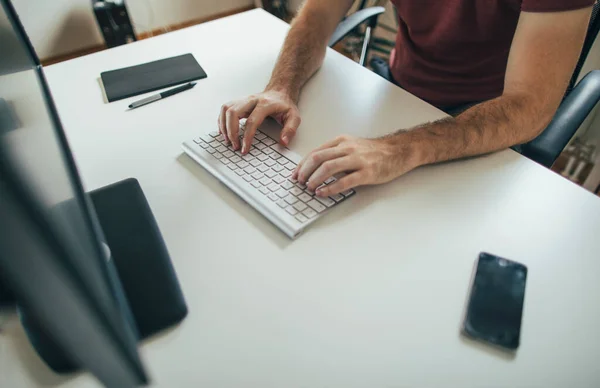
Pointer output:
x,y
255,109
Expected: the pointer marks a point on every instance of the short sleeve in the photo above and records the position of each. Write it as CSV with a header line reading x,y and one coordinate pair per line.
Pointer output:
x,y
554,5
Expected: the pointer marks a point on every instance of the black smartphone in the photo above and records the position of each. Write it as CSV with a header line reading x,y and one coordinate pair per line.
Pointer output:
x,y
495,304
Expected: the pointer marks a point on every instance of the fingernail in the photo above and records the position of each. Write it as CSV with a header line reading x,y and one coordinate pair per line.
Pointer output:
x,y
244,148
285,140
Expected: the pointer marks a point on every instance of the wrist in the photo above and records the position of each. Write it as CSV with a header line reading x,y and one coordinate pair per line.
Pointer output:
x,y
284,90
406,148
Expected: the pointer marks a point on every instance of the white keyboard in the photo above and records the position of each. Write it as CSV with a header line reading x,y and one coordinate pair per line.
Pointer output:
x,y
263,179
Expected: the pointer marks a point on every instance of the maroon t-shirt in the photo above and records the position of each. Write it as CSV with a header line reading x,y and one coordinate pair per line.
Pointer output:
x,y
450,52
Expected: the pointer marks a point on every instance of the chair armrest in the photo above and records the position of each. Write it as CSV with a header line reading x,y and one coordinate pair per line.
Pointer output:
x,y
353,21
574,109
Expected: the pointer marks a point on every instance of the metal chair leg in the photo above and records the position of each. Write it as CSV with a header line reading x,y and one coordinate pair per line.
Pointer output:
x,y
365,47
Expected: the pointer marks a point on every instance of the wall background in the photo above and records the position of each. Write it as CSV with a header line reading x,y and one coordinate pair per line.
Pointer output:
x,y
58,27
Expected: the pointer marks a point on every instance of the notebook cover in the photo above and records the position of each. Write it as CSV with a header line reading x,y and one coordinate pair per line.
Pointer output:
x,y
147,77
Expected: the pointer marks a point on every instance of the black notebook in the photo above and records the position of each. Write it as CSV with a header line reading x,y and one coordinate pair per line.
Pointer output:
x,y
147,77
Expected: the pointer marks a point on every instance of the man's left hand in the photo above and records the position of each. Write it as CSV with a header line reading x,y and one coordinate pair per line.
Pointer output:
x,y
366,162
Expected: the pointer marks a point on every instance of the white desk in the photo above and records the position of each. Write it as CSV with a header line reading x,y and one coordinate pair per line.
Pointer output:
x,y
373,294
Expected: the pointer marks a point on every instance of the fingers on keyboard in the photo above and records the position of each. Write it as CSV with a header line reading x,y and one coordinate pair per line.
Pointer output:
x,y
270,174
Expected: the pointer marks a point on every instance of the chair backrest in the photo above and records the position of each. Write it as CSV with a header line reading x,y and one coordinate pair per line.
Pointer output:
x,y
592,33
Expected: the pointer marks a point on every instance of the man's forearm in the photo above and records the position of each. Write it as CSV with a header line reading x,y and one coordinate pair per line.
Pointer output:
x,y
490,126
304,48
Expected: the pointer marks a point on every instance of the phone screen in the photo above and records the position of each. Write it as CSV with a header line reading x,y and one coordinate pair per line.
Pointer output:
x,y
495,306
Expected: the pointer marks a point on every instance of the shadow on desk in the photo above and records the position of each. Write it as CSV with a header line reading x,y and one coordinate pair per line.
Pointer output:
x,y
101,85
489,349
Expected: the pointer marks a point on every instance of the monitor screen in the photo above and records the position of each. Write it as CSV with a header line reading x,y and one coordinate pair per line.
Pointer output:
x,y
37,170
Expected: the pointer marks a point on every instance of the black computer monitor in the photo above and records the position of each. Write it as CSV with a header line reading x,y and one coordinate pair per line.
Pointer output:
x,y
51,251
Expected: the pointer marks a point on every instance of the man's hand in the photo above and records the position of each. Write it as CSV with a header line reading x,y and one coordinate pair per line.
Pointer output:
x,y
255,109
367,161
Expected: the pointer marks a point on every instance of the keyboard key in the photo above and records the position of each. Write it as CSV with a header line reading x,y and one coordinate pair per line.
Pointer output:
x,y
291,210
214,133
262,168
290,166
293,180
316,206
285,173
255,141
260,146
270,173
228,154
214,144
338,197
304,197
264,191
274,187
203,145
206,138
250,170
291,199
296,191
217,155
256,184
275,155
224,161
282,193
240,172
330,180
258,175
300,185
348,193
288,185
221,148
282,203
278,167
242,164
262,157
197,140
255,152
256,162
301,218
268,150
279,179
247,178
232,166
235,159
273,197
222,140
265,181
247,157
309,213
268,141
299,205
210,150
326,201
311,193
270,162
259,135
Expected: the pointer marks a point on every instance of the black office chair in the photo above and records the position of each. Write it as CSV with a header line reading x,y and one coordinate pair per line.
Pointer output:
x,y
580,98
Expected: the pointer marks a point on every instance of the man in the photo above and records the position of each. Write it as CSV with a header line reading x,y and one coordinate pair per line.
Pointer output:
x,y
506,62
